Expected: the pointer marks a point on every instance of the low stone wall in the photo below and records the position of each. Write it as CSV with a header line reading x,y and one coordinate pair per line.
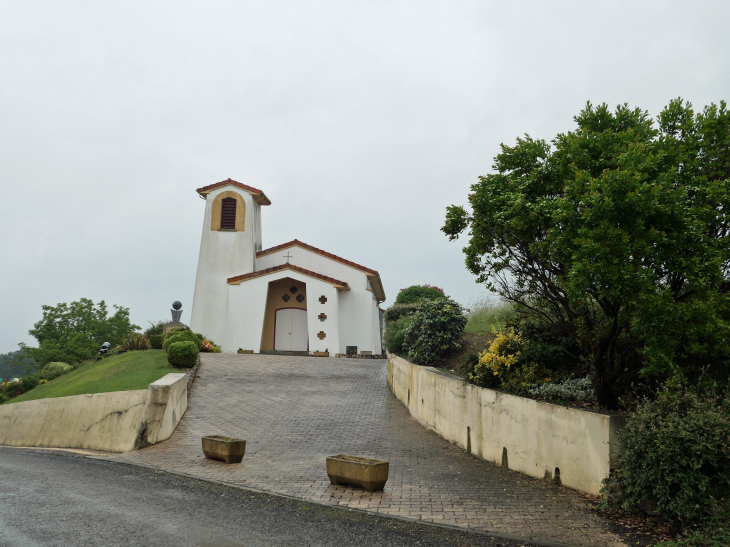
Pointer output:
x,y
118,421
573,446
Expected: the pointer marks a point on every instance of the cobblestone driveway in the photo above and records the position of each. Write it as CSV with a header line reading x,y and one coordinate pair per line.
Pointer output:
x,y
295,411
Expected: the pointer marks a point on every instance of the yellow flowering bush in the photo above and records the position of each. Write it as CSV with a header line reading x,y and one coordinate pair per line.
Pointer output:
x,y
501,365
497,359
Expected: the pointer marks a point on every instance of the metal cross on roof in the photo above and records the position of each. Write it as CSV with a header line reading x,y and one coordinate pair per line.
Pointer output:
x,y
288,256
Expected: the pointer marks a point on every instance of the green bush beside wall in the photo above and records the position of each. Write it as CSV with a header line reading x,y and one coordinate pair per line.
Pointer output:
x,y
182,354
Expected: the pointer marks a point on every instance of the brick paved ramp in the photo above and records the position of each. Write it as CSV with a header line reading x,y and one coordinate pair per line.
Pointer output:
x,y
295,411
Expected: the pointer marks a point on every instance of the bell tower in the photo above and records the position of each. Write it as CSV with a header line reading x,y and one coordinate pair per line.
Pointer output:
x,y
231,237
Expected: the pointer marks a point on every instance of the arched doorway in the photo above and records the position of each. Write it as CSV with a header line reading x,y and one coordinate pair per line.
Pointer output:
x,y
285,320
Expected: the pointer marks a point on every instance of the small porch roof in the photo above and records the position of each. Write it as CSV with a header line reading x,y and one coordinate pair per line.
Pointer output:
x,y
237,280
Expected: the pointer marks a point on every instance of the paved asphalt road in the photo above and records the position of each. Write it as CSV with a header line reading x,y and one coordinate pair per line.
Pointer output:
x,y
64,499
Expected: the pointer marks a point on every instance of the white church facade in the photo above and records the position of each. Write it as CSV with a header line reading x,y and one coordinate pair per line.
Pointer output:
x,y
290,298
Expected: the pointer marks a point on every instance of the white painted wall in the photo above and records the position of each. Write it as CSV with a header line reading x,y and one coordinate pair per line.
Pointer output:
x,y
315,289
245,314
233,315
538,437
247,306
358,323
222,255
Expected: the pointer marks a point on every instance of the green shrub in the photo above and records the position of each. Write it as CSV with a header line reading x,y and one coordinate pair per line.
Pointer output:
x,y
467,367
13,389
156,341
395,333
156,329
435,330
677,451
544,343
418,293
572,389
180,335
396,311
711,534
54,370
523,377
182,354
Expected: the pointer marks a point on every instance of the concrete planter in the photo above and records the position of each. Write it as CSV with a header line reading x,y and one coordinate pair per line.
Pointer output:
x,y
321,353
356,471
224,448
245,351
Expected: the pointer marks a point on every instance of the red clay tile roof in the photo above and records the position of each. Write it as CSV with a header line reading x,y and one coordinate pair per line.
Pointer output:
x,y
245,277
258,195
374,275
303,245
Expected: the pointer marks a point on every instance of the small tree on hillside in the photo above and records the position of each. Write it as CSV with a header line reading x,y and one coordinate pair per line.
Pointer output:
x,y
617,235
71,333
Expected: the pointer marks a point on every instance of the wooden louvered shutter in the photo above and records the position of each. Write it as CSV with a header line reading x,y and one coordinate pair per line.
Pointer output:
x,y
228,214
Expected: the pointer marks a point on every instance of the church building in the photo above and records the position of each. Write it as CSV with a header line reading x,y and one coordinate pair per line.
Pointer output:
x,y
290,298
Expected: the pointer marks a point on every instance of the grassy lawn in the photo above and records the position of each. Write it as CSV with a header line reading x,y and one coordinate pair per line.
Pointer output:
x,y
131,370
486,315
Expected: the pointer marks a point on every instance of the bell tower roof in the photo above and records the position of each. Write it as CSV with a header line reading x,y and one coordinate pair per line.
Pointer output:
x,y
258,196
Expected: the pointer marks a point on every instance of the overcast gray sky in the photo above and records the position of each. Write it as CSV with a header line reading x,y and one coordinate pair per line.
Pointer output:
x,y
360,120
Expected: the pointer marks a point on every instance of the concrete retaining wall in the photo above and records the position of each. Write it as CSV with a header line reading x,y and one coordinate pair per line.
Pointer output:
x,y
536,438
118,421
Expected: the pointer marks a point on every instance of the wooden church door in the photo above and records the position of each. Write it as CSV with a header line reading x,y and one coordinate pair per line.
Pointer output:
x,y
291,330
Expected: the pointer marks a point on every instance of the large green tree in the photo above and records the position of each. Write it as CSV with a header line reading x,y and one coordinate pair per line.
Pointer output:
x,y
615,233
73,332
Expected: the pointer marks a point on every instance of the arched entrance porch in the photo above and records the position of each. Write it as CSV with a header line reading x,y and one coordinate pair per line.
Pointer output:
x,y
285,320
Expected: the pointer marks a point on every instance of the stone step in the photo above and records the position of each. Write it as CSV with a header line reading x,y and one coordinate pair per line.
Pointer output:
x,y
280,352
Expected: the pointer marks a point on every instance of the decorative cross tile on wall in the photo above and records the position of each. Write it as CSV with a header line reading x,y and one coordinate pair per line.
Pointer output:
x,y
322,317
323,299
321,335
286,298
293,289
300,298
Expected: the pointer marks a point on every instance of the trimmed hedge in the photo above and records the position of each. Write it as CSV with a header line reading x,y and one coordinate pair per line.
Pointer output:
x,y
54,370
180,336
182,354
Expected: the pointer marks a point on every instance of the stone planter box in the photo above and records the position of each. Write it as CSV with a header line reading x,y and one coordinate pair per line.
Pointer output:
x,y
245,351
225,449
321,353
356,471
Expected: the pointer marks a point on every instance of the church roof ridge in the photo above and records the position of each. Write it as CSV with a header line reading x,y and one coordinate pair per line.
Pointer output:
x,y
258,195
245,277
296,242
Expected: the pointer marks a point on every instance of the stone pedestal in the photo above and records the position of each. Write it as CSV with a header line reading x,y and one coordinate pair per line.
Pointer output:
x,y
171,325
